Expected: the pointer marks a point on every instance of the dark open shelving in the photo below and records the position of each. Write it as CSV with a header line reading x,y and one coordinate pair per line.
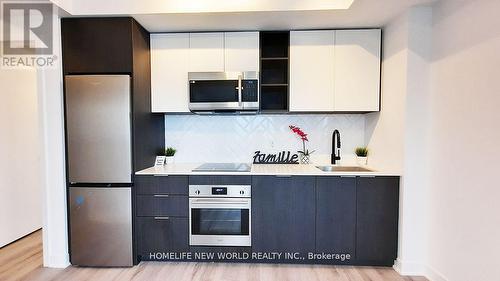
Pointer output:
x,y
274,71
274,98
274,65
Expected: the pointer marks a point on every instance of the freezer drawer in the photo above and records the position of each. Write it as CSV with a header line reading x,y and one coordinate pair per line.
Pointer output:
x,y
98,128
101,226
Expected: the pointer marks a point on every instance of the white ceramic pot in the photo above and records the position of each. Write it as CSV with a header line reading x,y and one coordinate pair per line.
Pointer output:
x,y
362,161
169,160
304,159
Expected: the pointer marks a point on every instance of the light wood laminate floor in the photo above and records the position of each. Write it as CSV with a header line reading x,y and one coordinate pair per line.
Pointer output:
x,y
22,260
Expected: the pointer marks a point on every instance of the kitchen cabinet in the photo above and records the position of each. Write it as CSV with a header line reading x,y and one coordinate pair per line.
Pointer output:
x,y
336,215
377,200
357,70
283,214
162,205
169,72
335,70
241,51
170,185
206,52
161,235
353,215
312,70
97,45
161,214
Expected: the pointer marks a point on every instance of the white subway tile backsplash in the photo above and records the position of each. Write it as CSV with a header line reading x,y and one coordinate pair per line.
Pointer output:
x,y
236,138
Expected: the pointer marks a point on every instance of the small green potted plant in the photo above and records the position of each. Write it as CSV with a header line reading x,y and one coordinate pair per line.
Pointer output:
x,y
362,155
169,155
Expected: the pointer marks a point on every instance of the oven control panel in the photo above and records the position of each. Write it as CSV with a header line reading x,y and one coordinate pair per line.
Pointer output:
x,y
231,191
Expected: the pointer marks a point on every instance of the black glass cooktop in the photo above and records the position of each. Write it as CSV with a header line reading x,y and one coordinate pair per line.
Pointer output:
x,y
223,167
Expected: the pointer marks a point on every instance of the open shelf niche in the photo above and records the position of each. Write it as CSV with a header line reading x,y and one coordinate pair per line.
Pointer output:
x,y
274,65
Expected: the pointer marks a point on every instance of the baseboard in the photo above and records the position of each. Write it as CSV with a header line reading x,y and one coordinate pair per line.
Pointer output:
x,y
432,275
409,268
57,261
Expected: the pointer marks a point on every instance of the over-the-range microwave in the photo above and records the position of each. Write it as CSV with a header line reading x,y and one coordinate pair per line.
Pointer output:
x,y
224,92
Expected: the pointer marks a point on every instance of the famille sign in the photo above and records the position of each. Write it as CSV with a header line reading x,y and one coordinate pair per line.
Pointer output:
x,y
283,157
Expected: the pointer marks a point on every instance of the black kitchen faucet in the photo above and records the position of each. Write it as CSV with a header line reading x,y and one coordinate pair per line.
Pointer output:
x,y
335,146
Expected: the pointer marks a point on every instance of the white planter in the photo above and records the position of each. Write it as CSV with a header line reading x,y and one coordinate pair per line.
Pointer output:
x,y
362,161
305,159
169,160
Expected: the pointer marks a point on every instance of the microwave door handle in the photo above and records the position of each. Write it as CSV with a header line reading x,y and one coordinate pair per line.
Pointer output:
x,y
239,90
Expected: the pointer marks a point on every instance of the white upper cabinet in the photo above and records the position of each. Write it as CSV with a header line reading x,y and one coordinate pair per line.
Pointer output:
x,y
169,72
206,52
311,70
241,51
335,70
330,70
357,70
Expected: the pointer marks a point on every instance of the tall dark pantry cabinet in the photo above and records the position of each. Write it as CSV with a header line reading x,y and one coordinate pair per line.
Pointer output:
x,y
96,52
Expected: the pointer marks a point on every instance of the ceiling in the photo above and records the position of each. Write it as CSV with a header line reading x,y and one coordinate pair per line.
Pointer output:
x,y
247,14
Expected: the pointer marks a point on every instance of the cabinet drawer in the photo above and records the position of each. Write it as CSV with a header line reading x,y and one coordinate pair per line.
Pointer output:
x,y
162,205
174,185
161,235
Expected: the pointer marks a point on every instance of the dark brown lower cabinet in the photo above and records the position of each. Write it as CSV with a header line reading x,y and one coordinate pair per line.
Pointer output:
x,y
377,220
355,216
159,236
336,217
162,205
283,211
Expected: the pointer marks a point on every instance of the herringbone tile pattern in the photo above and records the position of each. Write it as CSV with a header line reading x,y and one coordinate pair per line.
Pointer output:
x,y
236,138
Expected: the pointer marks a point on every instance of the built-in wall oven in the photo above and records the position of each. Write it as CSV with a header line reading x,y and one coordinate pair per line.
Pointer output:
x,y
220,215
223,92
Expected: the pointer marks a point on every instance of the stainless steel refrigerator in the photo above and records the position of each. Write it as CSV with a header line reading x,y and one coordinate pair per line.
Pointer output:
x,y
99,161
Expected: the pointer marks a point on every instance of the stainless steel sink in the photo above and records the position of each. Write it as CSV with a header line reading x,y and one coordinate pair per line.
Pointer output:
x,y
343,169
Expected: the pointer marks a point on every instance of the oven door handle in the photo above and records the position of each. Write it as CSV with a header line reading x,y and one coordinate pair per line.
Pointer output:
x,y
194,202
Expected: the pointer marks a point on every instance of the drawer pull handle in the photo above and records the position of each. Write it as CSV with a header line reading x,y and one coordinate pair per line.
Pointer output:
x,y
161,195
162,218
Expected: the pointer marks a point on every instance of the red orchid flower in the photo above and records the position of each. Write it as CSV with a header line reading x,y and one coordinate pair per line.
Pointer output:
x,y
303,137
299,132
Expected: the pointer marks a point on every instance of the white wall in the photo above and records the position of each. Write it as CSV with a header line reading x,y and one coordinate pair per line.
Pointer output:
x,y
385,129
464,221
50,91
414,182
397,135
447,91
20,167
236,138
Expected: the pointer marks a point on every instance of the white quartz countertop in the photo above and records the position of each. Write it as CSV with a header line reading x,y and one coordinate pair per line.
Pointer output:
x,y
260,169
